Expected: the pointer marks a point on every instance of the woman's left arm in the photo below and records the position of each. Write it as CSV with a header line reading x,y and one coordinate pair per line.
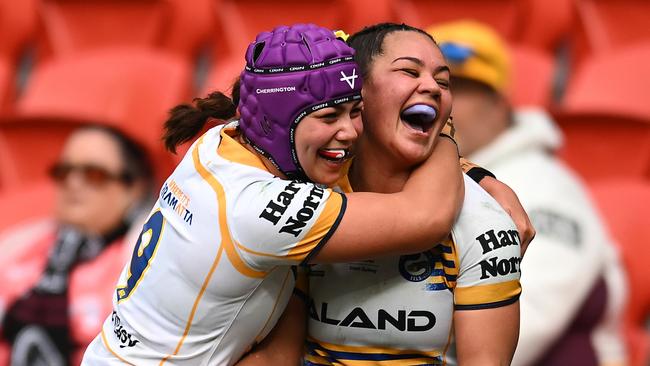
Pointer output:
x,y
486,337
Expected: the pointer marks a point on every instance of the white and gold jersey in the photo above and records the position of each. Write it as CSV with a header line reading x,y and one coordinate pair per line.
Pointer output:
x,y
399,310
211,271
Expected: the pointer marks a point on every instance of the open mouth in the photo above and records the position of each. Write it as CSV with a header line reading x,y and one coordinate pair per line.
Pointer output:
x,y
335,155
419,117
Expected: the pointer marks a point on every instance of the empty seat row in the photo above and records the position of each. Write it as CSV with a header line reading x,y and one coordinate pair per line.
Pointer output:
x,y
535,28
131,89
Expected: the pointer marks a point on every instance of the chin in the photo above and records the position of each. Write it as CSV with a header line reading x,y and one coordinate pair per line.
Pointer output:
x,y
328,180
326,173
412,154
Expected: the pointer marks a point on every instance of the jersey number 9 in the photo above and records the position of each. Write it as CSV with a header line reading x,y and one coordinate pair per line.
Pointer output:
x,y
143,253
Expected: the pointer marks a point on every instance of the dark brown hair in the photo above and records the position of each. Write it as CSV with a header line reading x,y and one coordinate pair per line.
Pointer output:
x,y
368,42
187,120
135,159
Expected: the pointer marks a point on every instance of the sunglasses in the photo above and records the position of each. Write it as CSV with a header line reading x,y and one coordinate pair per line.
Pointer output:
x,y
91,174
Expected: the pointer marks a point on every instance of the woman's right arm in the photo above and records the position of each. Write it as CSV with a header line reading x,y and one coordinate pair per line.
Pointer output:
x,y
409,221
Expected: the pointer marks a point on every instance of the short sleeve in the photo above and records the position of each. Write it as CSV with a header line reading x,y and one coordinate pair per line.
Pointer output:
x,y
488,249
282,222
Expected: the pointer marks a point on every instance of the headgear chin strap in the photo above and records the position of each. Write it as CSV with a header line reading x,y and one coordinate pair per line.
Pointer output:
x,y
291,72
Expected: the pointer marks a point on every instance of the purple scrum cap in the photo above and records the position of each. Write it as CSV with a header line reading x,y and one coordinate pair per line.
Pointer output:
x,y
291,72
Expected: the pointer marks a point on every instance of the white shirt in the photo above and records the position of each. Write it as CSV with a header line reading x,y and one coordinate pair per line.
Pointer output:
x,y
572,248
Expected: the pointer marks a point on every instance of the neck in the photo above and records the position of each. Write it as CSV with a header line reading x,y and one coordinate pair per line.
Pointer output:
x,y
374,170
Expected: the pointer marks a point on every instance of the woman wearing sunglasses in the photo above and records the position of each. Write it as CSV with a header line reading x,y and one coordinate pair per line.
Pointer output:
x,y
103,181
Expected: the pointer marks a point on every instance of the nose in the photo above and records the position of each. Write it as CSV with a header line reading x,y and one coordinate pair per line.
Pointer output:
x,y
74,180
349,129
429,85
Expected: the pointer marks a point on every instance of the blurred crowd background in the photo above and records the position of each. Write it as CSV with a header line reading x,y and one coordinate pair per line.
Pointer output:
x,y
122,64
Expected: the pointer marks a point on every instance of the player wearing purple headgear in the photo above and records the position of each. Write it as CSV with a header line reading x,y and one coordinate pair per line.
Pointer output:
x,y
212,270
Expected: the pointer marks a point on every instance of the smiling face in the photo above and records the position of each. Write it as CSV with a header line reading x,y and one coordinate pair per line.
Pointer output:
x,y
407,97
325,141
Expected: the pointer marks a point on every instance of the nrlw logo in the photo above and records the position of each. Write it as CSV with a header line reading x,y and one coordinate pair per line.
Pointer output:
x,y
276,208
413,321
416,267
349,79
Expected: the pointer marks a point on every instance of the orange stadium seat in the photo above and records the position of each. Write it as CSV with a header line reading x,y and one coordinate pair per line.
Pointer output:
x,y
626,207
29,202
132,88
6,84
532,77
500,14
71,26
606,116
17,30
617,82
528,22
602,25
544,24
17,26
600,146
28,147
238,21
243,19
362,13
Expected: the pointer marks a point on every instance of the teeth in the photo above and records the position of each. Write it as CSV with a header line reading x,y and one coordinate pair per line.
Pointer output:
x,y
334,154
426,111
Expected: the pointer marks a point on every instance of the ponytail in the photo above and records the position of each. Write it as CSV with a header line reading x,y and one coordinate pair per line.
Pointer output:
x,y
187,120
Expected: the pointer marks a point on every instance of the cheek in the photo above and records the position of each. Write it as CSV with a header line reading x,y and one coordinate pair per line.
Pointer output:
x,y
113,202
447,100
306,148
308,142
376,95
357,123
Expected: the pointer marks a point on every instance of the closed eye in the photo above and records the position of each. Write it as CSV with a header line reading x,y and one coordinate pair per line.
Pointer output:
x,y
411,72
327,113
355,112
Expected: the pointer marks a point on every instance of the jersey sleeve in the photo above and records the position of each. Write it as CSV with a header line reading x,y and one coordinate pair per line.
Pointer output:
x,y
488,249
282,222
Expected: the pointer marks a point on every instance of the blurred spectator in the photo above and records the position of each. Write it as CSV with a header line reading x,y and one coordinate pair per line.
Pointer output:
x,y
62,281
573,287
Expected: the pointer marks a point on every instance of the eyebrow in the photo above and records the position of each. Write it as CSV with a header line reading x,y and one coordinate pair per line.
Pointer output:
x,y
412,59
443,68
419,62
